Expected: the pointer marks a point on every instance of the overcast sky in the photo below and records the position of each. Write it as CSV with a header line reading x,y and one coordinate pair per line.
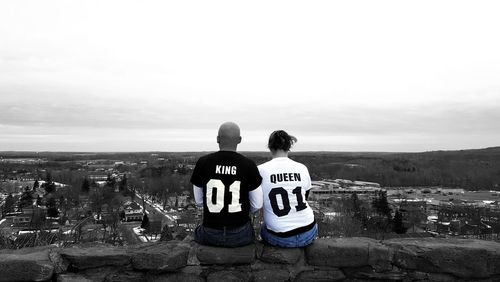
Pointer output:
x,y
163,75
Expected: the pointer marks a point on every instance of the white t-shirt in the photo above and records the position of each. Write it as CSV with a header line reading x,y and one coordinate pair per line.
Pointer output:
x,y
284,184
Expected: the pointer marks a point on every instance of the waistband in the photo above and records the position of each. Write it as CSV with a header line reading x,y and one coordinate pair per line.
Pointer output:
x,y
293,232
228,227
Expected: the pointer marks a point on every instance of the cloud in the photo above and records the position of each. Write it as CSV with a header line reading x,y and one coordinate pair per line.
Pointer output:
x,y
93,74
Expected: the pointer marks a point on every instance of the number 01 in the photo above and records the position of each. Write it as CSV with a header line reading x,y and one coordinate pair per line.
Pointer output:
x,y
273,198
215,196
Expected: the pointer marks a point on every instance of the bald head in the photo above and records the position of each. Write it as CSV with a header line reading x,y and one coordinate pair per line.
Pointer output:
x,y
229,136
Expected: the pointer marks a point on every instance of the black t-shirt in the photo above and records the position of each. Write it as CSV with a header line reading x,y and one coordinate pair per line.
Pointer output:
x,y
226,178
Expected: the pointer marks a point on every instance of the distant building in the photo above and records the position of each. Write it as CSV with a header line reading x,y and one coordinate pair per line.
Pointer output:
x,y
22,220
452,212
467,219
133,211
414,212
98,177
180,201
325,189
188,220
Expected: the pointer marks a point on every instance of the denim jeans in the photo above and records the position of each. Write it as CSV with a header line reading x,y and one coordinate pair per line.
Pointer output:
x,y
234,237
295,241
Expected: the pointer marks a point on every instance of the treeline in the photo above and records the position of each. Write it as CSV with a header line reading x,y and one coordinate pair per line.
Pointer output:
x,y
468,169
362,218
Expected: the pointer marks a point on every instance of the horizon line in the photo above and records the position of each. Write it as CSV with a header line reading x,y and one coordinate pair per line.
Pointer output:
x,y
246,151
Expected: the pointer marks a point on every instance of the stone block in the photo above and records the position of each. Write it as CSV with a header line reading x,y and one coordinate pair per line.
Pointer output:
x,y
229,276
192,258
60,264
435,277
320,275
72,277
272,254
174,277
271,275
340,252
100,273
92,257
24,265
194,269
379,276
226,256
125,276
464,258
380,257
161,256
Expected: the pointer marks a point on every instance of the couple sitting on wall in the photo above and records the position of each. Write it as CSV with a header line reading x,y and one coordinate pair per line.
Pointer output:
x,y
230,187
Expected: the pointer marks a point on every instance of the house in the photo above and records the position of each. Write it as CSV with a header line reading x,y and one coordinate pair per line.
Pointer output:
x,y
26,217
326,188
133,211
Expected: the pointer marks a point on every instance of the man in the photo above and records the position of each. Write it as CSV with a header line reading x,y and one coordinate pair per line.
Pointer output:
x,y
227,184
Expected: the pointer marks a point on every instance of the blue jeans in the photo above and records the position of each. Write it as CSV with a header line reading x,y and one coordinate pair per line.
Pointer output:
x,y
295,241
226,237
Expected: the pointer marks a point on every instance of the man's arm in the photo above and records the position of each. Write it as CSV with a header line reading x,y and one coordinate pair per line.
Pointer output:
x,y
256,199
198,195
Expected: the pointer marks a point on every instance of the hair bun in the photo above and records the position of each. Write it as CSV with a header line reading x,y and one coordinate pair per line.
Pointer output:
x,y
281,140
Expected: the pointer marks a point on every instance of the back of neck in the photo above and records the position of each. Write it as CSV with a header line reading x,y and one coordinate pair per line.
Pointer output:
x,y
279,154
227,148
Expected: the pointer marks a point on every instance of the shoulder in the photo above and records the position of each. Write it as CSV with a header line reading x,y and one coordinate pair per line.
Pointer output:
x,y
206,156
295,162
246,160
298,165
265,165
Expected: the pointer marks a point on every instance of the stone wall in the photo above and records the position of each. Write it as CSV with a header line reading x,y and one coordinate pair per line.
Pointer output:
x,y
339,259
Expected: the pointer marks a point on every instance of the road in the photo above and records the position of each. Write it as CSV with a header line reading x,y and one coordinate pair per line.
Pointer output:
x,y
128,234
126,227
153,210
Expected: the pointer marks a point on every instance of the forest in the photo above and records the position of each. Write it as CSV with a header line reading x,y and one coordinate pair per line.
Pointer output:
x,y
476,169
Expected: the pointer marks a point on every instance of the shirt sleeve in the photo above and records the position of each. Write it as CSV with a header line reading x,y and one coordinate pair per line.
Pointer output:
x,y
196,177
254,178
256,199
198,195
308,180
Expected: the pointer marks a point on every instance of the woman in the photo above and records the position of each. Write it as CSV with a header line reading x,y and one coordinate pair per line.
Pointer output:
x,y
288,219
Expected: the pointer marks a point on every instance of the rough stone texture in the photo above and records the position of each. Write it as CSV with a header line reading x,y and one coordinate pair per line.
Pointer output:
x,y
380,257
161,256
175,277
24,265
352,272
195,270
271,275
100,273
340,252
72,277
280,255
192,258
320,275
292,270
127,276
463,258
60,265
82,258
351,260
436,277
229,276
226,256
384,276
